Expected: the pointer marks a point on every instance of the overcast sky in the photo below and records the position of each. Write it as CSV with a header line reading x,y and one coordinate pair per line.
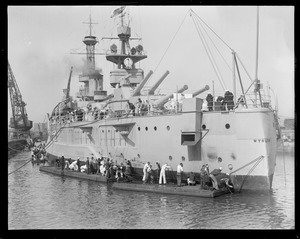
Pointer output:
x,y
40,40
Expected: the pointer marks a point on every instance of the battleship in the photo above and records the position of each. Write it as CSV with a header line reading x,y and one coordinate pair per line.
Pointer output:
x,y
144,126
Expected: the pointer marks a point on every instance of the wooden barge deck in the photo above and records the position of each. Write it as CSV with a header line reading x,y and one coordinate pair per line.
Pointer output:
x,y
173,189
185,190
75,174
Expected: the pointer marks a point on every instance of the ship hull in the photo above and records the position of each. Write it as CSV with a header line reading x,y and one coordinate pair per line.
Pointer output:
x,y
242,142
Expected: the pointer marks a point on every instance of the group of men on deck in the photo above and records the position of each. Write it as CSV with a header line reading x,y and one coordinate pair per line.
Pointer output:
x,y
207,178
226,101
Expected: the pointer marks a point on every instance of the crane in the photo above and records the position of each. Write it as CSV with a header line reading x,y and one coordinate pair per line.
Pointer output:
x,y
19,120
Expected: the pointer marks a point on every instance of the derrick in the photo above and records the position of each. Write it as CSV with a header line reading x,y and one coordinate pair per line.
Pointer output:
x,y
19,120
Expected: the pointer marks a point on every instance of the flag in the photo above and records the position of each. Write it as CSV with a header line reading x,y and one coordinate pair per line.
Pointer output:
x,y
117,11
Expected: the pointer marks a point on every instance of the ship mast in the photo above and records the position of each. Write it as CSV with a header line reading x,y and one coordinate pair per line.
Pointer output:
x,y
126,57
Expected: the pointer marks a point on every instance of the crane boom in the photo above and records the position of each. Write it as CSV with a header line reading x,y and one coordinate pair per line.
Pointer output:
x,y
69,81
19,119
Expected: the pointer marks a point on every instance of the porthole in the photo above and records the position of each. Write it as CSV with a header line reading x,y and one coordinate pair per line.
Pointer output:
x,y
219,159
108,131
230,166
168,127
227,126
146,128
170,157
138,155
139,128
203,126
183,158
102,131
155,128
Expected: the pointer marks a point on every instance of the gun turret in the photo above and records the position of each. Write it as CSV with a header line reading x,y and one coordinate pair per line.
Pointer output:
x,y
141,85
205,88
154,87
160,102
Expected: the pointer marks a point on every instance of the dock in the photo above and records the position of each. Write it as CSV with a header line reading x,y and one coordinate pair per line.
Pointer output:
x,y
74,174
184,190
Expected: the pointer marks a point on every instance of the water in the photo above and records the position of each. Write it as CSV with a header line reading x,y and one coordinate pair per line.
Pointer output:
x,y
38,200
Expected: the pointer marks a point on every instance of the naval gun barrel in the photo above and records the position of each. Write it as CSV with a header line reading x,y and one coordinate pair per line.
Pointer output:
x,y
205,88
160,102
141,85
154,87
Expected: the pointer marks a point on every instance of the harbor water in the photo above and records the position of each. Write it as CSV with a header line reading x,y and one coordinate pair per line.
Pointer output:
x,y
38,200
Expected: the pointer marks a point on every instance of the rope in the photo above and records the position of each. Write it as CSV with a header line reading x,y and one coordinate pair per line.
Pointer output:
x,y
217,49
212,30
169,45
20,167
209,54
250,171
247,164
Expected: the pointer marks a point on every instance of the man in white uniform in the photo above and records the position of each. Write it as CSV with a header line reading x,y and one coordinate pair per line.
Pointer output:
x,y
163,173
146,166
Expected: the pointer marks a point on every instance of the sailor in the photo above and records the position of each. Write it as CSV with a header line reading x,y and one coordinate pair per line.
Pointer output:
x,y
158,170
209,99
128,168
191,179
73,166
83,168
204,106
150,174
102,169
228,100
92,165
67,163
88,165
78,164
62,162
213,175
107,166
163,173
202,174
179,174
146,166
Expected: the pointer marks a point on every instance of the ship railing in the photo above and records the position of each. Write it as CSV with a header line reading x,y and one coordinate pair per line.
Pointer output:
x,y
118,52
249,101
253,101
100,114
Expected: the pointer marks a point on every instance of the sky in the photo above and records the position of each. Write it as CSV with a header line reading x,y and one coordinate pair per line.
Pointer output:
x,y
42,38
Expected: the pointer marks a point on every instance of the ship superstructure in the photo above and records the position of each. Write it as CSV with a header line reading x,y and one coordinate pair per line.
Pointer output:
x,y
136,125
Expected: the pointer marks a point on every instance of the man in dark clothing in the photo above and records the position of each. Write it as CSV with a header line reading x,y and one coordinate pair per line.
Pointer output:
x,y
62,162
107,168
88,165
158,171
209,99
228,100
213,176
78,164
